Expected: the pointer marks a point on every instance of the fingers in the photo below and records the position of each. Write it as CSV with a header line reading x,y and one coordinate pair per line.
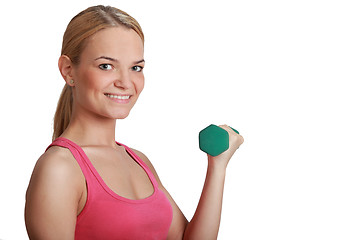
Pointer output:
x,y
233,135
227,128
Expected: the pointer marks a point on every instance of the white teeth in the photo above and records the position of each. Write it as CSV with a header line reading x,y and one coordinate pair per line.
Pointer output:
x,y
118,97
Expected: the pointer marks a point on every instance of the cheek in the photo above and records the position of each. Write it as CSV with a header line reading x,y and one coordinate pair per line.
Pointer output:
x,y
85,87
139,85
90,81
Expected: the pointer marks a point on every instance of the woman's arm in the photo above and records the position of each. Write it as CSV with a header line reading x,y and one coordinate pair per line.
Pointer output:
x,y
52,197
206,220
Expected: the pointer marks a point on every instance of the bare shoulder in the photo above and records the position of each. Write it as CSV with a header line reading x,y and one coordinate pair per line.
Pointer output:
x,y
55,167
53,194
56,162
142,156
146,160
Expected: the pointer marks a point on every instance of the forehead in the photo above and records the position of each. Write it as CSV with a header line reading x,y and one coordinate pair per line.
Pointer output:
x,y
119,42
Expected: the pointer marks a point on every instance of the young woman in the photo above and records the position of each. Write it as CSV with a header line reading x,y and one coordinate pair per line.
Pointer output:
x,y
88,186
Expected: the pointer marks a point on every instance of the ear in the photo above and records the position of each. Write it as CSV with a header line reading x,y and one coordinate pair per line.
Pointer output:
x,y
66,69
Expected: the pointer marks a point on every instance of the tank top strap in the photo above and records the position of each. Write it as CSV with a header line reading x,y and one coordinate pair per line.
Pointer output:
x,y
78,154
141,163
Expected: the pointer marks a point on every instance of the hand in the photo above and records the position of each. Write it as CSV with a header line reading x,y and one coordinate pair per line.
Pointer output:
x,y
235,140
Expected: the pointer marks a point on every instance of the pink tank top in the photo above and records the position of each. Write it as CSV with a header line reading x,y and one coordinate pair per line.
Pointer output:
x,y
107,215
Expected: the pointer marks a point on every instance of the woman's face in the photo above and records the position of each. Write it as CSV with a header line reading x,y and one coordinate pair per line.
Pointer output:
x,y
109,78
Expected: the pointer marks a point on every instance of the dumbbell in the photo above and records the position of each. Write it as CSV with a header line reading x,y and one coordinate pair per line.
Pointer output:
x,y
214,140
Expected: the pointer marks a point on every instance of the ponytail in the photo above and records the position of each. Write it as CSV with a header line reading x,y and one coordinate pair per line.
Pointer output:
x,y
63,112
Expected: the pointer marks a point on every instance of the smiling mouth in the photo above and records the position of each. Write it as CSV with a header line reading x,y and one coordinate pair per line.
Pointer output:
x,y
124,97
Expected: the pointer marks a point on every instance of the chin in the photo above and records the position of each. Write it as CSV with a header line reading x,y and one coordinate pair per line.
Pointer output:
x,y
121,115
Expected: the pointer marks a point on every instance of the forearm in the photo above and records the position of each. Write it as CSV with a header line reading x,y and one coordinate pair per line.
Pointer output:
x,y
206,221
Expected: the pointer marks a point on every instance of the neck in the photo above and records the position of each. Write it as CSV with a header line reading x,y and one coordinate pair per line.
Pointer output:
x,y
91,130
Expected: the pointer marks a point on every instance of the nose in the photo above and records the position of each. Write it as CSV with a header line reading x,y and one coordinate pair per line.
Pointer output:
x,y
123,80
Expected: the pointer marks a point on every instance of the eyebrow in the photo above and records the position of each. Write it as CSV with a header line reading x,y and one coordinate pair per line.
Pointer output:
x,y
115,60
107,58
141,61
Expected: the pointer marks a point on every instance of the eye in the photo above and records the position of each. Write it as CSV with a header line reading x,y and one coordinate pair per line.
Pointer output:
x,y
137,68
105,66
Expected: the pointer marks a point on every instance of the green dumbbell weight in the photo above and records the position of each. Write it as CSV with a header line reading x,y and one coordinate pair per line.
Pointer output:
x,y
214,140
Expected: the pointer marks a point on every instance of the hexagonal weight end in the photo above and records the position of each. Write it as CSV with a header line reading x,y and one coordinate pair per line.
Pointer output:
x,y
213,140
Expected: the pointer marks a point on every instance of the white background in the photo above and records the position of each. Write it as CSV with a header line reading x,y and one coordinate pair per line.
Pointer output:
x,y
283,73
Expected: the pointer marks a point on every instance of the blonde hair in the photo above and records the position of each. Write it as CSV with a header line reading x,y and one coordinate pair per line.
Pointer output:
x,y
79,29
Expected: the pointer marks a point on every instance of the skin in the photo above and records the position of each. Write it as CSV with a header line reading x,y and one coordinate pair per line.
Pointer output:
x,y
111,63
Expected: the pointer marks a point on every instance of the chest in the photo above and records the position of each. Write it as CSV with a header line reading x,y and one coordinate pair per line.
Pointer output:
x,y
121,172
